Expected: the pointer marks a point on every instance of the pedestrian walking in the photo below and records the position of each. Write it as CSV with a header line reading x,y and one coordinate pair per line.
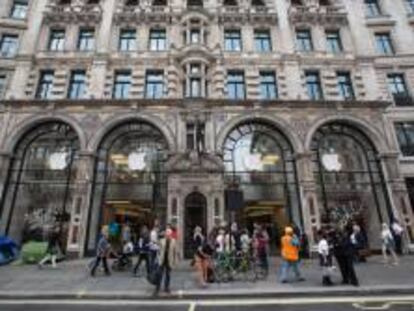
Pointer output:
x,y
167,261
397,232
154,244
325,258
388,245
201,260
344,253
359,243
246,242
143,250
261,246
290,256
104,250
52,248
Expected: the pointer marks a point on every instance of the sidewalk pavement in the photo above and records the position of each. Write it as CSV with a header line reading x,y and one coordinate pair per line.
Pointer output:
x,y
71,280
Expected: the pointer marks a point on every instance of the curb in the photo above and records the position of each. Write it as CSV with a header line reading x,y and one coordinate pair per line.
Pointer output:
x,y
200,295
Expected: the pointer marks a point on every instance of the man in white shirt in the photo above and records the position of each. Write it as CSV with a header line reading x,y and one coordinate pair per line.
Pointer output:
x,y
325,259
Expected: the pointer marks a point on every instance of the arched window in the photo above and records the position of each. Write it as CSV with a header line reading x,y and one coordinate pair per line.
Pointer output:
x,y
130,181
351,184
40,184
260,160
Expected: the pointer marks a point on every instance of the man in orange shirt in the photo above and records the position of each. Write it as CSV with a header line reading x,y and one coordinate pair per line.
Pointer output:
x,y
290,256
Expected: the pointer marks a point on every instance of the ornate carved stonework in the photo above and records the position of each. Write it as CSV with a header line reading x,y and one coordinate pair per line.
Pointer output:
x,y
79,11
191,162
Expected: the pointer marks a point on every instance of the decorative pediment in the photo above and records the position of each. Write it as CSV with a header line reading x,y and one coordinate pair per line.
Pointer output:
x,y
194,162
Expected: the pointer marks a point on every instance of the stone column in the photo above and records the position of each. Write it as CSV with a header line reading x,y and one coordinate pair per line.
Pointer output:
x,y
308,195
79,211
398,194
5,160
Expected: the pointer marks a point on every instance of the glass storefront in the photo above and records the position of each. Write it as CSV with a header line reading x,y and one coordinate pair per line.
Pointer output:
x,y
260,161
130,186
350,182
39,189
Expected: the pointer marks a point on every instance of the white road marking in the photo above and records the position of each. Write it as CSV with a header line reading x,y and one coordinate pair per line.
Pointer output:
x,y
360,301
192,307
384,306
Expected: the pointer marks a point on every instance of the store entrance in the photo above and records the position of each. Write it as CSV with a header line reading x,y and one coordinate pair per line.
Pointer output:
x,y
195,215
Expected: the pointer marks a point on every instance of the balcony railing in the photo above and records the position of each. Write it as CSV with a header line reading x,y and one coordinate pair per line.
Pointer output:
x,y
403,100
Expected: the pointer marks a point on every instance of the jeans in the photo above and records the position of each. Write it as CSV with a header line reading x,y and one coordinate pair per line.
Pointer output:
x,y
285,267
96,265
143,256
165,273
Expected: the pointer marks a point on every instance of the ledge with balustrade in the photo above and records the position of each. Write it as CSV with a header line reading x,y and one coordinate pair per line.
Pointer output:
x,y
80,10
326,15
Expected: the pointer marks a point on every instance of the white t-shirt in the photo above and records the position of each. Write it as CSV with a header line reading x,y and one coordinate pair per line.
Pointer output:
x,y
397,228
323,247
220,243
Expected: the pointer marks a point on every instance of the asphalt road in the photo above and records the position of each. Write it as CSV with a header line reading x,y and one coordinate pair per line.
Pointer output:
x,y
248,305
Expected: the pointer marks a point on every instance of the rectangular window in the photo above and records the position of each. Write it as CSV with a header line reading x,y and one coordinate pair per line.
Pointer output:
x,y
333,41
372,8
158,40
235,85
268,87
122,85
86,41
410,4
2,85
232,40
345,88
405,137
19,9
195,87
396,84
304,40
127,40
77,85
57,40
195,36
154,84
384,43
313,85
45,86
8,45
262,40
190,136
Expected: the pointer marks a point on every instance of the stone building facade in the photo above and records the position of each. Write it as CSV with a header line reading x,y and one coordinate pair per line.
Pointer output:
x,y
201,112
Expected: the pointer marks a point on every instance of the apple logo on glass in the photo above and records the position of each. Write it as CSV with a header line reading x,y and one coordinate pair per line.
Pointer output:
x,y
136,161
253,161
58,160
331,162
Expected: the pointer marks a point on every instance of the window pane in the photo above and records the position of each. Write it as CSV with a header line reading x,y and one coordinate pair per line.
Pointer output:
x,y
19,9
158,40
263,41
44,89
268,89
304,40
2,85
86,39
333,41
122,85
405,137
127,40
154,84
8,45
57,40
235,85
232,40
345,85
313,85
77,85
